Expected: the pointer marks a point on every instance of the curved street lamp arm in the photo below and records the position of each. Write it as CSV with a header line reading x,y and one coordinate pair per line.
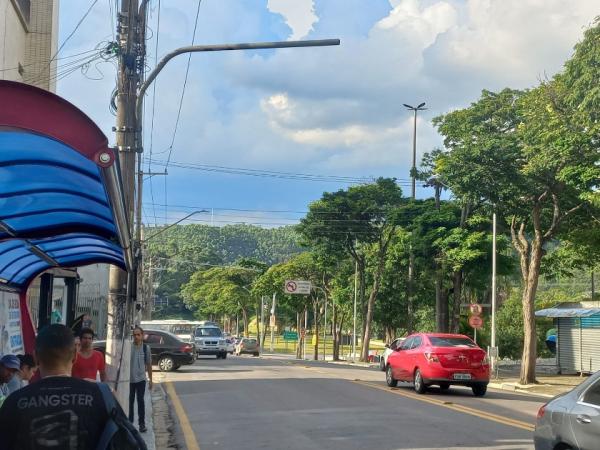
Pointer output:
x,y
222,47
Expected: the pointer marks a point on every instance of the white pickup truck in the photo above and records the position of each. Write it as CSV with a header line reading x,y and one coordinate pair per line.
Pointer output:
x,y
209,340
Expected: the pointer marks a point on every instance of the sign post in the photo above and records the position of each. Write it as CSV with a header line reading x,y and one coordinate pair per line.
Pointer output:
x,y
297,287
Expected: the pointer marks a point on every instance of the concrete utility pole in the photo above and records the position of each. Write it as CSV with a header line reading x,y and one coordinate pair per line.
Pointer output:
x,y
411,257
131,29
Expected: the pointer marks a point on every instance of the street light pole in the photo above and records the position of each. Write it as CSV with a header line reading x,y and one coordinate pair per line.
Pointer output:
x,y
354,320
411,257
494,355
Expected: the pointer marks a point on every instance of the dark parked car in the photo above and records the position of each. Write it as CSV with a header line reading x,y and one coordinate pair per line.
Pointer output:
x,y
168,351
572,420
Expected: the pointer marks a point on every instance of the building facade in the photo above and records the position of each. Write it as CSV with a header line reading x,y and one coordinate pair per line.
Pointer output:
x,y
29,41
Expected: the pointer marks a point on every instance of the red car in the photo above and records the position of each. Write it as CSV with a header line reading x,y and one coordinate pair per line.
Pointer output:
x,y
439,359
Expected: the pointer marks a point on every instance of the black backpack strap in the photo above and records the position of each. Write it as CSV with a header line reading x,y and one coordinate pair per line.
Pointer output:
x,y
111,427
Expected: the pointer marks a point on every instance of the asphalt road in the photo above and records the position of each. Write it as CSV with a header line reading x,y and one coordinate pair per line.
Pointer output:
x,y
266,403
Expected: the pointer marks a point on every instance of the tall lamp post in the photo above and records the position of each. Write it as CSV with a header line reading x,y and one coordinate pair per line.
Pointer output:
x,y
414,109
413,173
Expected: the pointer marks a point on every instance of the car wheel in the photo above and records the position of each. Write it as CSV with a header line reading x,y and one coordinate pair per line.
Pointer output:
x,y
224,355
444,386
382,364
479,390
166,364
255,354
420,387
389,377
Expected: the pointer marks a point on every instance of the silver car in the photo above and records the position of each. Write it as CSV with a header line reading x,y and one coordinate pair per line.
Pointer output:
x,y
572,420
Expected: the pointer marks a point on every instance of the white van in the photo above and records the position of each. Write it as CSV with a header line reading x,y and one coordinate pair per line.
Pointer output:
x,y
183,329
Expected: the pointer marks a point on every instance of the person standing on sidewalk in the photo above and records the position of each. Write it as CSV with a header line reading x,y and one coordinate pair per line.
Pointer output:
x,y
141,362
89,362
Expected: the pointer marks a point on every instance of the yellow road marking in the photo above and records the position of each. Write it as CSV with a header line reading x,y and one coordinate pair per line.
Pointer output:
x,y
453,406
190,438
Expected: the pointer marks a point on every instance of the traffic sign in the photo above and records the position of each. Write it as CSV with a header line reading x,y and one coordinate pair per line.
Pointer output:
x,y
475,322
290,335
476,309
297,287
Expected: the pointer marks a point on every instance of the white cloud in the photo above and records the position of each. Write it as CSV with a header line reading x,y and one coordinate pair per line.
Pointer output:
x,y
299,15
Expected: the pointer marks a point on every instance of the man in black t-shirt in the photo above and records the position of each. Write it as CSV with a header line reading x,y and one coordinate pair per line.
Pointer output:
x,y
58,412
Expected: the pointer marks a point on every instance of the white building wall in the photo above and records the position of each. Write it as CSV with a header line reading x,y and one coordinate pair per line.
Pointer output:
x,y
28,41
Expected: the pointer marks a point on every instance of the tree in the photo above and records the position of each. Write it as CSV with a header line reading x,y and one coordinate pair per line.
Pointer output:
x,y
362,214
516,151
221,290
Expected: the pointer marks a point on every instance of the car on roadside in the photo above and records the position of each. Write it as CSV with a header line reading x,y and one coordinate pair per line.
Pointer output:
x,y
168,351
247,345
389,349
571,420
428,359
209,340
230,345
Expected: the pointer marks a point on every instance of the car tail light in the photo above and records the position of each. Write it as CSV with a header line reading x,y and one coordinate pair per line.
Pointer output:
x,y
186,348
542,411
432,357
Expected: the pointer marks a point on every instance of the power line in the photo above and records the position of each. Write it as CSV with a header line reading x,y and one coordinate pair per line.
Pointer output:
x,y
72,32
187,70
260,173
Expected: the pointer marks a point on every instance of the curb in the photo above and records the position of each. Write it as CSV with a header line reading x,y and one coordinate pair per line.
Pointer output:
x,y
511,387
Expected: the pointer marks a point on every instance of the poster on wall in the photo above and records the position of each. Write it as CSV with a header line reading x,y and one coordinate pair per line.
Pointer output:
x,y
11,336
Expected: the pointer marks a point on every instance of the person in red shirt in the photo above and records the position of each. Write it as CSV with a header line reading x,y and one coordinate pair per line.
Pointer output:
x,y
89,362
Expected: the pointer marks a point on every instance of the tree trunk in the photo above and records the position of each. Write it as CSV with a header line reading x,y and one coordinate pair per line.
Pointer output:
x,y
441,321
370,307
530,258
530,288
245,316
334,334
456,300
316,320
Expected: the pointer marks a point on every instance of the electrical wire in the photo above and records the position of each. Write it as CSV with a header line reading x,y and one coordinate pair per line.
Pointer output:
x,y
187,70
68,38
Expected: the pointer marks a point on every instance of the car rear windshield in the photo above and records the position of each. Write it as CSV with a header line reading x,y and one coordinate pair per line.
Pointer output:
x,y
438,341
250,341
211,332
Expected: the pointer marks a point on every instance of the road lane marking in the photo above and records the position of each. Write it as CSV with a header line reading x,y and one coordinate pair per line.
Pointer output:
x,y
453,406
188,434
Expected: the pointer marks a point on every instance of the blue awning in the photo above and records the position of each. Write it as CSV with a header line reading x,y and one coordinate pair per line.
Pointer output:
x,y
567,312
22,260
50,189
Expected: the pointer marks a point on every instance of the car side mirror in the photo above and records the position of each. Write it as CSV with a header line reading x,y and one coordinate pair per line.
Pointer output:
x,y
387,346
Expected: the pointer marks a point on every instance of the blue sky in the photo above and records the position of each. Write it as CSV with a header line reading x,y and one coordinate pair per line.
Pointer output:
x,y
328,111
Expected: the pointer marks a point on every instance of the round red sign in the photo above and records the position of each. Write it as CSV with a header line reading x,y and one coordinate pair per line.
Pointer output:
x,y
475,322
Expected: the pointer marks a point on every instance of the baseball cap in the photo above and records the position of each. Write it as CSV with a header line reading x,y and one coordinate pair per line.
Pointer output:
x,y
11,362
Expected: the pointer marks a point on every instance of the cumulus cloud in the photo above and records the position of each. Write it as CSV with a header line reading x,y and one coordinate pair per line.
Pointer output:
x,y
336,109
299,15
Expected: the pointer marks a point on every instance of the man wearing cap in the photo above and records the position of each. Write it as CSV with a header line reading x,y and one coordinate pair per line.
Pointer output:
x,y
10,366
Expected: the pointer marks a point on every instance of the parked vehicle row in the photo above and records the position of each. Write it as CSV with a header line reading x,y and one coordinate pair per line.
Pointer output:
x,y
167,350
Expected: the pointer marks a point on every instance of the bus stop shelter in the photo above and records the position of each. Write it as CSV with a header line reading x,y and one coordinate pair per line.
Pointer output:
x,y
61,203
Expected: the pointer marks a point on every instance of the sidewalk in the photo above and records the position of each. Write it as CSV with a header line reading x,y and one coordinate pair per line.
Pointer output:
x,y
548,385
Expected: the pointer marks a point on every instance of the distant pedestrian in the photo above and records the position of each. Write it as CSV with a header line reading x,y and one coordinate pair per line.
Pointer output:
x,y
89,362
9,373
141,362
61,412
28,368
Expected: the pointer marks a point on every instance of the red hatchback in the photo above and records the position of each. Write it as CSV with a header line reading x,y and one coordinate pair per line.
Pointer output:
x,y
439,359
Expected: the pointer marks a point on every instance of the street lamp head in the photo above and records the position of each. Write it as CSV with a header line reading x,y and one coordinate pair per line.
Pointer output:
x,y
421,105
408,106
